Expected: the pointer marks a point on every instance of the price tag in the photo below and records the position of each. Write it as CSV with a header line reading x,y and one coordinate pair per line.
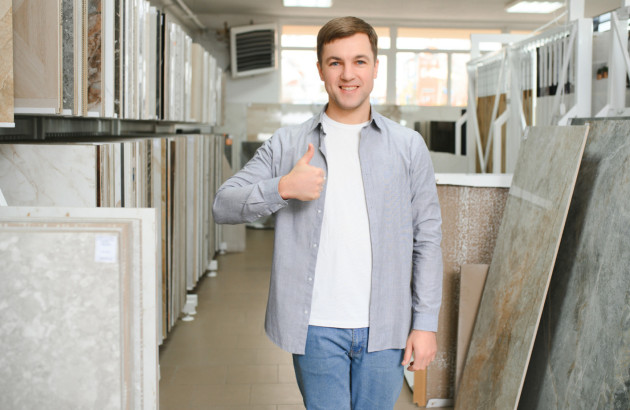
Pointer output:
x,y
106,248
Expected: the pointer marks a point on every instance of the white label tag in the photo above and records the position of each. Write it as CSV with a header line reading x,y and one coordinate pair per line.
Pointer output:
x,y
106,248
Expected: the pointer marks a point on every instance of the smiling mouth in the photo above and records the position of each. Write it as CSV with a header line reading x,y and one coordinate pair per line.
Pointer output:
x,y
349,88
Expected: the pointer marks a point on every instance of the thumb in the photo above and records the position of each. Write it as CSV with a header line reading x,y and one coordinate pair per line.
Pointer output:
x,y
309,155
407,355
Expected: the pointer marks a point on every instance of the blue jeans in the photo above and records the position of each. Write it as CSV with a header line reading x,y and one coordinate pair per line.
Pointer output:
x,y
337,373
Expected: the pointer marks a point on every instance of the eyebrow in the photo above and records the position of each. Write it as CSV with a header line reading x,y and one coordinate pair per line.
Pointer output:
x,y
357,57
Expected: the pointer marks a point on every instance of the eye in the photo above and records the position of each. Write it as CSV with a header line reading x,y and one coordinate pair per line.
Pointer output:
x,y
334,64
361,62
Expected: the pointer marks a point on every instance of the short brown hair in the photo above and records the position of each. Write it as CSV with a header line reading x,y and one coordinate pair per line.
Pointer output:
x,y
343,27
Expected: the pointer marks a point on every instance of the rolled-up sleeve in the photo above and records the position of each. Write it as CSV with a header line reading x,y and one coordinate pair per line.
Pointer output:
x,y
252,192
427,237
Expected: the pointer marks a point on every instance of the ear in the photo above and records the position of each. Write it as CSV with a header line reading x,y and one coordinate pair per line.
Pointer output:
x,y
319,69
376,68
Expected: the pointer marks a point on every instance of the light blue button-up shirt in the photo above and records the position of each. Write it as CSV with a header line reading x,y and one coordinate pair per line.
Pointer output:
x,y
405,229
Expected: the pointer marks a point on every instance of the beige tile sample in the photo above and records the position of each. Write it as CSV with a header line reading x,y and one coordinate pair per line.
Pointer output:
x,y
6,62
37,56
472,281
521,267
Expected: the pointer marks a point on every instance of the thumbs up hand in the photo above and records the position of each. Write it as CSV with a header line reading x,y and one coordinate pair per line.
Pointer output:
x,y
305,182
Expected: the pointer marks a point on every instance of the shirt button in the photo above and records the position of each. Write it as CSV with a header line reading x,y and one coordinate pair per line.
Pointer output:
x,y
306,312
310,279
314,245
319,211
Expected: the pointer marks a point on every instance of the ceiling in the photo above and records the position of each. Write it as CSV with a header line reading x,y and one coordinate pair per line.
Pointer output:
x,y
428,13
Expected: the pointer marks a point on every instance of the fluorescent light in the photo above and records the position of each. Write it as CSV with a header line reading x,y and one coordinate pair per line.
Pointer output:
x,y
307,3
539,7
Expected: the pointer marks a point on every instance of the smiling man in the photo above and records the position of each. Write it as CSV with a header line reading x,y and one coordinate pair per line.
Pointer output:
x,y
357,265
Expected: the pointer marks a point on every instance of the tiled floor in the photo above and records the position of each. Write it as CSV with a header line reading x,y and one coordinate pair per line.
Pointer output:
x,y
223,359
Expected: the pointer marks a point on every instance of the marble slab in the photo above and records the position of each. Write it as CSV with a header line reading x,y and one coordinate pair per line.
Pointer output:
x,y
37,56
98,348
581,358
48,175
471,216
108,50
94,56
197,82
68,54
6,63
521,267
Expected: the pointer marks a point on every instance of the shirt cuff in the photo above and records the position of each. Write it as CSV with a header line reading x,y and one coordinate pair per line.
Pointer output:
x,y
270,194
423,321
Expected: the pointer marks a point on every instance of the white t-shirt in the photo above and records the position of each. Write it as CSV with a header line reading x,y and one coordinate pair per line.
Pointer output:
x,y
343,274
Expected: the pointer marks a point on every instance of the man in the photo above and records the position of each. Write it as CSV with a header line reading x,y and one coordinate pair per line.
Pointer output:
x,y
357,265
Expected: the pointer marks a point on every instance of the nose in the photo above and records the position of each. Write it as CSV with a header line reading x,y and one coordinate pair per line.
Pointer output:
x,y
347,73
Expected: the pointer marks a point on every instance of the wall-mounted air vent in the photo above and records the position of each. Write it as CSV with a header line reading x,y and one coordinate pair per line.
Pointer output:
x,y
253,49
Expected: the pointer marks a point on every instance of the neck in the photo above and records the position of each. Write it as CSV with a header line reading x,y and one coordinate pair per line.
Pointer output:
x,y
355,116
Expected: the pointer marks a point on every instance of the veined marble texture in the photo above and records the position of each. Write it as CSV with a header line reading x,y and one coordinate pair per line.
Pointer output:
x,y
471,217
6,62
48,175
521,266
581,358
68,53
135,368
94,54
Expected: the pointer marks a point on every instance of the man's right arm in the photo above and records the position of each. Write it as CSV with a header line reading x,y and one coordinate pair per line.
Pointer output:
x,y
256,190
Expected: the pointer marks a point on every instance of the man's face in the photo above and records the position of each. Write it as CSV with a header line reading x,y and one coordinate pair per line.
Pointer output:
x,y
348,69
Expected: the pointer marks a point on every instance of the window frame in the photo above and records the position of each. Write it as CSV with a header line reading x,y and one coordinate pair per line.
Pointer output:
x,y
392,54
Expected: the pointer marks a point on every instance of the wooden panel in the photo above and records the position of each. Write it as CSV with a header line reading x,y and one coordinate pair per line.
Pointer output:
x,y
521,266
473,279
485,105
37,56
6,63
420,388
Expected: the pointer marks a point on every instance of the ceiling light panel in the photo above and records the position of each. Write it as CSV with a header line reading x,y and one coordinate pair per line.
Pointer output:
x,y
536,7
307,3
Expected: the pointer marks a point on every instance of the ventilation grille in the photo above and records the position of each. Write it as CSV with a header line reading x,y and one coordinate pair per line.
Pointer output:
x,y
253,50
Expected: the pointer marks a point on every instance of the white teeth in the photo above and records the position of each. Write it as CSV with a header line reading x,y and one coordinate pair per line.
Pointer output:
x,y
349,88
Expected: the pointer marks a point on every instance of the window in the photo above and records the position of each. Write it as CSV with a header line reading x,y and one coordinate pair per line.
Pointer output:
x,y
426,66
421,78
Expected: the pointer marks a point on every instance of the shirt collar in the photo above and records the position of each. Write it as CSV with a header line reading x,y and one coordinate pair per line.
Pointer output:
x,y
376,119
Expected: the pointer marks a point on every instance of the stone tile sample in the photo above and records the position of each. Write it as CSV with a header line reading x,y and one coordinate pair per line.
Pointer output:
x,y
48,175
94,54
471,216
37,56
6,62
79,308
581,357
68,53
521,266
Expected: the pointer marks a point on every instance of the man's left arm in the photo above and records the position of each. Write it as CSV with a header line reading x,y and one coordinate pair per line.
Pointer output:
x,y
426,282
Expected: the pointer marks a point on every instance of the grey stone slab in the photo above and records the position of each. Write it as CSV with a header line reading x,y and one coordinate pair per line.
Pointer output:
x,y
581,358
521,266
68,53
